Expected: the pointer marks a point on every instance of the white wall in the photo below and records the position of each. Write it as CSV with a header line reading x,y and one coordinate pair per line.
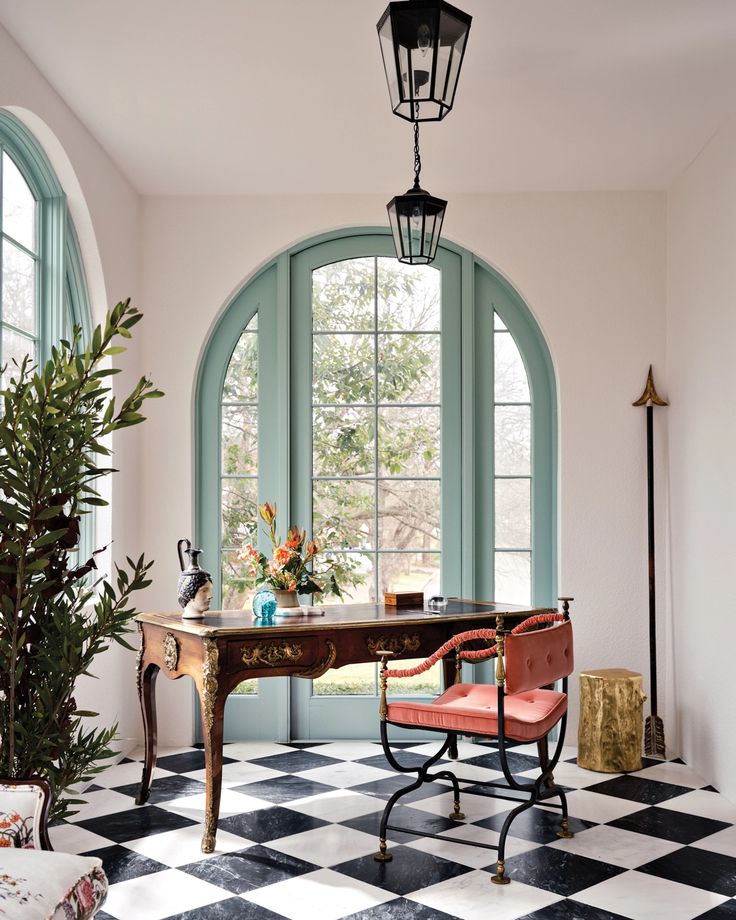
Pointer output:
x,y
104,208
590,266
701,332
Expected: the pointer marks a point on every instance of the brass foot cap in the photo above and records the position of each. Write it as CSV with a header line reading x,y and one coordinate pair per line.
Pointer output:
x,y
566,835
208,846
456,816
500,879
383,857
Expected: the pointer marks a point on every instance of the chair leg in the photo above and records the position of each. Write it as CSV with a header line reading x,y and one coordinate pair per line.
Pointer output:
x,y
500,878
564,830
455,814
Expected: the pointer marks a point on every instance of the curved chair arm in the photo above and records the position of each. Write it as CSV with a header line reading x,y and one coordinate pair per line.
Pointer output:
x,y
448,646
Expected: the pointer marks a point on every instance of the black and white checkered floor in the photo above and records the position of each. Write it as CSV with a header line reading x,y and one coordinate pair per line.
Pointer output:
x,y
298,827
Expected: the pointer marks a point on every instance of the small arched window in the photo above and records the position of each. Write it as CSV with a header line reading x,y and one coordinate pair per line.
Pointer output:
x,y
42,289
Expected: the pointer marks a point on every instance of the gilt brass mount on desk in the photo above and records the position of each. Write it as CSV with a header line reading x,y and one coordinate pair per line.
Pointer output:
x,y
224,648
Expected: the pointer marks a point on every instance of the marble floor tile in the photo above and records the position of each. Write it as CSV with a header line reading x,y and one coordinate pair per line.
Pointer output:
x,y
616,846
645,897
160,896
337,805
323,844
704,803
184,845
721,842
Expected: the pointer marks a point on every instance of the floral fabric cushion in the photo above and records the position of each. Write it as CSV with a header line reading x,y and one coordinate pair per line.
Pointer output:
x,y
20,808
42,885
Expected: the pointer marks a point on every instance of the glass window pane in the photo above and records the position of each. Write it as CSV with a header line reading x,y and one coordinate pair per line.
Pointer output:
x,y
235,594
409,368
239,440
498,323
19,206
343,441
513,578
352,680
362,568
513,513
511,383
428,683
239,511
241,380
409,514
513,440
409,441
343,370
14,347
344,514
343,295
408,297
409,572
19,288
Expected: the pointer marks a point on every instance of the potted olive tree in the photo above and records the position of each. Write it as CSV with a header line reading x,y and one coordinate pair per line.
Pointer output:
x,y
56,615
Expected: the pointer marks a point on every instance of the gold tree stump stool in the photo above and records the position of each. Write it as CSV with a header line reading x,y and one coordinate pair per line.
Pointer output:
x,y
611,724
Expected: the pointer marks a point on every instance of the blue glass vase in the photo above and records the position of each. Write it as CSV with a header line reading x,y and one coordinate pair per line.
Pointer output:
x,y
264,604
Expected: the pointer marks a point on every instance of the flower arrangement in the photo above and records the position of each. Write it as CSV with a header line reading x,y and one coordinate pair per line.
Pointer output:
x,y
292,566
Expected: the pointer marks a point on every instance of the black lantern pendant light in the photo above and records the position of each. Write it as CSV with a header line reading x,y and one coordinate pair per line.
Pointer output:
x,y
416,218
423,43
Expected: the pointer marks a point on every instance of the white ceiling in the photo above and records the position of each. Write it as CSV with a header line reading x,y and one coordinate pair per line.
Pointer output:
x,y
236,97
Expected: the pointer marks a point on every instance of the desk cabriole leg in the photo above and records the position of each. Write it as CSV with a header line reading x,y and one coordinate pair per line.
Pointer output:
x,y
146,675
213,709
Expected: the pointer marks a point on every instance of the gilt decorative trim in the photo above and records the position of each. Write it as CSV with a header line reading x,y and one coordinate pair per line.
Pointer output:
x,y
210,670
324,665
271,654
396,644
171,651
139,661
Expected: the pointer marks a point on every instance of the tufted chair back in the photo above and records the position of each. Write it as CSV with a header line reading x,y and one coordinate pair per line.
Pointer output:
x,y
537,658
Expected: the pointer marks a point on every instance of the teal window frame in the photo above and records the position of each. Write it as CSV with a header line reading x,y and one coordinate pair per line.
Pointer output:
x,y
280,294
62,299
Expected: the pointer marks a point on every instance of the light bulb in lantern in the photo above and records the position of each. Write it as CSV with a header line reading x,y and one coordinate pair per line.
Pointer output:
x,y
424,38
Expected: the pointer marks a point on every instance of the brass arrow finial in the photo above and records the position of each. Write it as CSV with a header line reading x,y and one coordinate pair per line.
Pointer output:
x,y
650,395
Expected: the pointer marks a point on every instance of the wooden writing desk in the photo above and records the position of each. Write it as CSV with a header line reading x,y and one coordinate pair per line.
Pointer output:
x,y
225,648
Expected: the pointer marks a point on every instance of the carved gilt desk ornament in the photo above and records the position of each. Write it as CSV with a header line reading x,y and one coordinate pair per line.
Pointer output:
x,y
194,585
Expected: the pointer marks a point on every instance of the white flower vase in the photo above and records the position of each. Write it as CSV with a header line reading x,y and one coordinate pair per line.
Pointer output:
x,y
287,603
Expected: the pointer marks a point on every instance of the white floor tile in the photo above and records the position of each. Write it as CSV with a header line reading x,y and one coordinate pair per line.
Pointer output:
x,y
677,773
617,846
68,838
722,842
327,846
253,750
104,802
474,807
183,846
337,805
647,897
171,892
462,853
346,774
514,845
349,750
703,803
473,896
321,895
231,803
465,749
570,774
240,773
594,806
124,774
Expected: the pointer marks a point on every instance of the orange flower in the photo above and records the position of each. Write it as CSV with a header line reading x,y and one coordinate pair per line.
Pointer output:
x,y
312,548
4,842
281,555
295,538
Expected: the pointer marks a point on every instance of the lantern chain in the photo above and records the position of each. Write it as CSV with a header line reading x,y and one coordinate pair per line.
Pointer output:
x,y
417,157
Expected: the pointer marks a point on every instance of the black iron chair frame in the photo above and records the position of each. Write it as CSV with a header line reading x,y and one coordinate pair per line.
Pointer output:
x,y
540,790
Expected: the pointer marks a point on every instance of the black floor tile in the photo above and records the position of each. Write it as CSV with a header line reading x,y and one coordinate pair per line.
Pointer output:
x,y
558,870
385,788
517,763
121,864
409,870
165,788
134,823
699,868
187,762
229,909
269,824
408,759
401,909
571,910
247,869
402,816
537,824
283,789
725,911
296,761
638,789
669,825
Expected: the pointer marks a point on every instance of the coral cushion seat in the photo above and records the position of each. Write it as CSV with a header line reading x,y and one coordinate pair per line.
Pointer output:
x,y
473,709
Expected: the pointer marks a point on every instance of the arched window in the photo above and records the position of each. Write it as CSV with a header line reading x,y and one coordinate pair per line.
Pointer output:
x,y
42,289
405,416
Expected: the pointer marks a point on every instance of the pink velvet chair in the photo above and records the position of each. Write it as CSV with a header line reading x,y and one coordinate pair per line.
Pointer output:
x,y
521,706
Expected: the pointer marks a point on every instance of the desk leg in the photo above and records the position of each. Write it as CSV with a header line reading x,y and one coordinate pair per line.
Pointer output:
x,y
213,711
147,693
